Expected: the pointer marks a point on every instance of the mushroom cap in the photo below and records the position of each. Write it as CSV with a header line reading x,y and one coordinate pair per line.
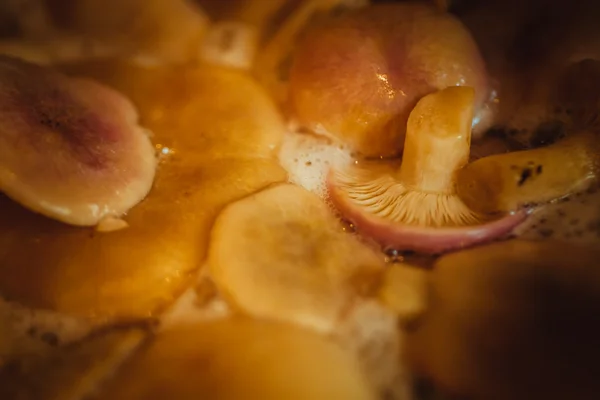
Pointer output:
x,y
356,76
292,261
218,133
70,149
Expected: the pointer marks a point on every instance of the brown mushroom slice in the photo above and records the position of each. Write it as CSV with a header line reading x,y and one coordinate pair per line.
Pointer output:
x,y
417,207
232,359
71,149
71,372
280,254
212,155
513,320
507,182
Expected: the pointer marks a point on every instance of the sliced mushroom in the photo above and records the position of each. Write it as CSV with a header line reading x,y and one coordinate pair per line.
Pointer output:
x,y
417,207
70,149
291,259
507,182
237,358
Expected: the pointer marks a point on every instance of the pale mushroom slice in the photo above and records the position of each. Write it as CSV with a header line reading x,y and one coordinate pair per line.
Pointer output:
x,y
280,254
512,320
217,134
417,207
237,358
70,149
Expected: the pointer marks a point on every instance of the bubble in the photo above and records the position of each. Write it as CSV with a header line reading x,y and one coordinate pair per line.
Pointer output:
x,y
308,158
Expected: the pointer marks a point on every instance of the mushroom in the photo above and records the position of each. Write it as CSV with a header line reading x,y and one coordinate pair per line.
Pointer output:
x,y
516,320
240,358
292,262
218,134
506,182
70,149
417,207
356,76
403,290
274,60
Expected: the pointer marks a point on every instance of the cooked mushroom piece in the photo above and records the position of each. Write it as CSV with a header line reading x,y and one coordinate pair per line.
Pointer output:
x,y
506,182
70,149
241,358
356,76
218,134
516,320
293,262
403,290
417,207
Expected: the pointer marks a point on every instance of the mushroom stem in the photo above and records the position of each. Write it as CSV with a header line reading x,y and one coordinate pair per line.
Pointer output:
x,y
438,139
506,182
418,207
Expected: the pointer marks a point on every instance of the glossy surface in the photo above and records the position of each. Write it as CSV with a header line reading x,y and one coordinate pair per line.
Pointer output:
x,y
507,182
216,144
357,76
274,60
71,149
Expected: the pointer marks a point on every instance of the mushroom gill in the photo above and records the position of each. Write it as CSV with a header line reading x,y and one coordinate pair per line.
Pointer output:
x,y
417,207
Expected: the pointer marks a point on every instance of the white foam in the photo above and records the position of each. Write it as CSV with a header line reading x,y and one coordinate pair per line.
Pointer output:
x,y
308,158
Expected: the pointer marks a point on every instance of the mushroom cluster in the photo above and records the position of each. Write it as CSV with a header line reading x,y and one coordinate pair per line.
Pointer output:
x,y
152,244
417,207
204,164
